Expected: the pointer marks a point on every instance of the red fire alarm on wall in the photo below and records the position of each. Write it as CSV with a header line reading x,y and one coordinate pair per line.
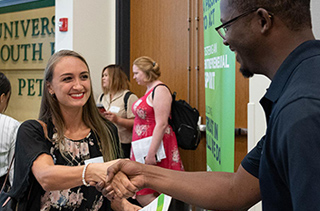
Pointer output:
x,y
63,24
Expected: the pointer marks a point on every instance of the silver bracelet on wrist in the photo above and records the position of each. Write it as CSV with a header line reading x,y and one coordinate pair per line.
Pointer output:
x,y
83,175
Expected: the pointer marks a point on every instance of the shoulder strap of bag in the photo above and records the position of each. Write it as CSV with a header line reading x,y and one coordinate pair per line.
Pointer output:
x,y
101,96
156,87
125,99
7,175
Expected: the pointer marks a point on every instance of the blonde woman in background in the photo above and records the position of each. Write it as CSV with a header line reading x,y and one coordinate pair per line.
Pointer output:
x,y
117,101
151,120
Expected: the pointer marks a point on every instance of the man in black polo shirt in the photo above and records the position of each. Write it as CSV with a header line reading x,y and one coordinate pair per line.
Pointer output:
x,y
275,39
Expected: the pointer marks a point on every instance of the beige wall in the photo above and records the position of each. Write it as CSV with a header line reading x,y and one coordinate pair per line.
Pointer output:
x,y
25,69
27,104
92,33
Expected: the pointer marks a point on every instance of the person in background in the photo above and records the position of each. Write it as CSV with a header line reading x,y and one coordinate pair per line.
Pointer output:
x,y
8,132
117,102
59,160
151,120
275,39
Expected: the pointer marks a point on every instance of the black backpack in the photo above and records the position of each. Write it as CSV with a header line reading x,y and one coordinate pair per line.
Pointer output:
x,y
184,122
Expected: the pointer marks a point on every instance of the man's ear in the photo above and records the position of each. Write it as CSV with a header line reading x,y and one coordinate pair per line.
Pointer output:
x,y
266,20
2,98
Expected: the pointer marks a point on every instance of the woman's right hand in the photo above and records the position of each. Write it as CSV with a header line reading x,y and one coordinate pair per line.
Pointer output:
x,y
97,172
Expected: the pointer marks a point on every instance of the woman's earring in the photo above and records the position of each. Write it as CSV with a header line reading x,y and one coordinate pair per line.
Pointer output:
x,y
52,95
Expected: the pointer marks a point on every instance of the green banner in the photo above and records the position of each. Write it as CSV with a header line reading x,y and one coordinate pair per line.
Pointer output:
x,y
9,6
220,92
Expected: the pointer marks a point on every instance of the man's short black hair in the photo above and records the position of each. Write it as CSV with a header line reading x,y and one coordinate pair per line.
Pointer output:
x,y
294,13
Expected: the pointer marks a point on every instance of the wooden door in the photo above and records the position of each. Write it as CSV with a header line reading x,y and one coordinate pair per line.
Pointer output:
x,y
171,32
166,31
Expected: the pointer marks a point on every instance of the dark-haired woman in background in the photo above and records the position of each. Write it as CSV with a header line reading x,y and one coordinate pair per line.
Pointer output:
x,y
117,101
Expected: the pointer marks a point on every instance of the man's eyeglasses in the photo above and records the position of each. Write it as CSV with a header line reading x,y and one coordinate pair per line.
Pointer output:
x,y
223,28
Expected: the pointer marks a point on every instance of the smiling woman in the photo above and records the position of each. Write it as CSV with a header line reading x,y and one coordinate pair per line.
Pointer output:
x,y
76,151
70,84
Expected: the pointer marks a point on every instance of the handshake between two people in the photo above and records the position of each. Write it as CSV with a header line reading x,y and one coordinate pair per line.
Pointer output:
x,y
117,180
124,179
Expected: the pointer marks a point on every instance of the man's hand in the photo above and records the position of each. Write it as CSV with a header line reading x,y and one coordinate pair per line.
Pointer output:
x,y
120,187
125,178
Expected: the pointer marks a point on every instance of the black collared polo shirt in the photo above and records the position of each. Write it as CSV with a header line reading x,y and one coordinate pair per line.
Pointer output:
x,y
287,159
